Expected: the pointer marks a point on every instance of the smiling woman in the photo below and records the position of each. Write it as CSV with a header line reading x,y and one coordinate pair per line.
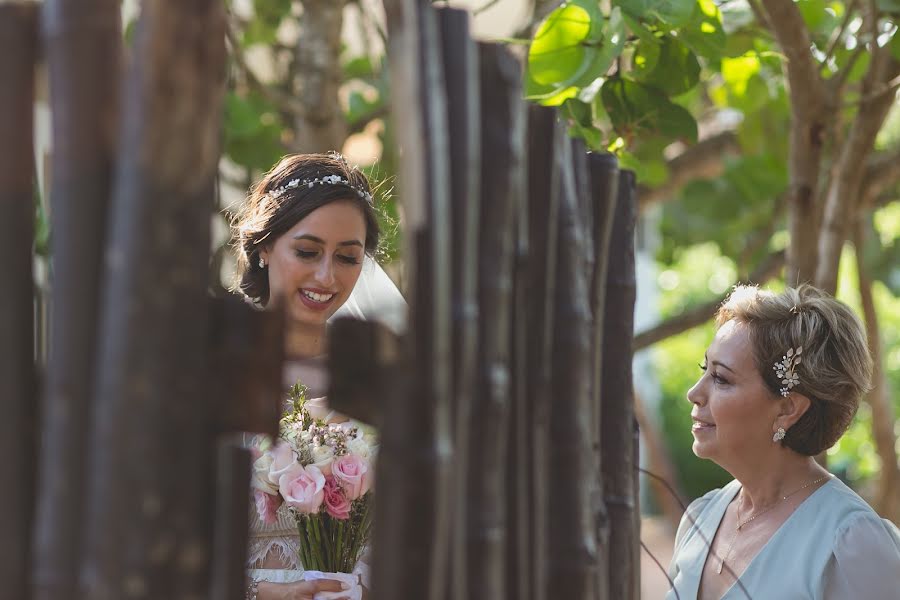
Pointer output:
x,y
781,382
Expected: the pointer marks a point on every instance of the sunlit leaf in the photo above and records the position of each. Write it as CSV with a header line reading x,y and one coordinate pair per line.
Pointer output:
x,y
704,34
674,13
558,52
674,71
636,109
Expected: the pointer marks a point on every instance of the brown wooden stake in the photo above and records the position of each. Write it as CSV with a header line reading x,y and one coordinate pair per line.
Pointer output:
x,y
461,75
572,542
604,181
543,207
150,518
83,53
502,145
18,51
617,414
230,535
414,458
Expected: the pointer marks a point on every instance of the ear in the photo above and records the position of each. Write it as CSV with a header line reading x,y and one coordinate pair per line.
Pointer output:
x,y
264,252
791,408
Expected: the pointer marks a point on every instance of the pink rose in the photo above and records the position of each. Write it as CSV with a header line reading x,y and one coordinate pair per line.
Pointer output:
x,y
303,488
336,503
267,505
353,474
283,459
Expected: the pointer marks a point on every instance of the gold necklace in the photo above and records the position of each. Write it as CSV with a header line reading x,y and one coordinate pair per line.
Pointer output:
x,y
763,511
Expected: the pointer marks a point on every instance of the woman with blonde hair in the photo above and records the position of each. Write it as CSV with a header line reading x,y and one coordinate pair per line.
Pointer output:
x,y
781,382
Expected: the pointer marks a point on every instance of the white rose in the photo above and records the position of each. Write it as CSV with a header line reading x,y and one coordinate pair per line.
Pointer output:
x,y
359,447
260,478
284,458
322,457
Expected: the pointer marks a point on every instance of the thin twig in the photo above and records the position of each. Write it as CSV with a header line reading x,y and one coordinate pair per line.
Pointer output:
x,y
484,7
664,572
888,88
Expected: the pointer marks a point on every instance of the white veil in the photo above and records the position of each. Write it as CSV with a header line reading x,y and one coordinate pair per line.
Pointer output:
x,y
375,298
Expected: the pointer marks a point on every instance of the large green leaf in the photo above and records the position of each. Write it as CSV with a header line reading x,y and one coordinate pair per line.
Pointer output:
x,y
614,36
674,71
638,109
561,49
704,34
674,13
894,44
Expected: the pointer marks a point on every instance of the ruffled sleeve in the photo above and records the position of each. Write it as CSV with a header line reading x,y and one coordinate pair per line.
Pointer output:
x,y
866,561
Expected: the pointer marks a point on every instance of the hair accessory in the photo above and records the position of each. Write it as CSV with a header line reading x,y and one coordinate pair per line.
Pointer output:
x,y
786,369
326,180
779,435
262,263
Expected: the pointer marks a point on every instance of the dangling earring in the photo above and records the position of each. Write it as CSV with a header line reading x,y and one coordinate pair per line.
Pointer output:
x,y
779,435
262,263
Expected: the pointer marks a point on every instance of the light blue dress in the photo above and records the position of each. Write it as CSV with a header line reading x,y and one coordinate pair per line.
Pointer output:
x,y
833,547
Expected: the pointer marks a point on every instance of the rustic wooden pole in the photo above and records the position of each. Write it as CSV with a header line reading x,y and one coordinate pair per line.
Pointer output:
x,y
460,59
572,543
617,414
83,54
604,181
502,146
18,51
230,536
543,209
150,521
413,527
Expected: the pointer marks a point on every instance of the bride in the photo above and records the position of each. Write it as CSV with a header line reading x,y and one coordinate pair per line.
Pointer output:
x,y
305,240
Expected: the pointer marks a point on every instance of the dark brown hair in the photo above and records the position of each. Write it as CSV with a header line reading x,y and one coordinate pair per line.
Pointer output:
x,y
265,216
836,367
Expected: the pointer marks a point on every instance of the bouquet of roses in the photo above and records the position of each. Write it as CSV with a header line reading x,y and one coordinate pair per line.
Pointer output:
x,y
324,474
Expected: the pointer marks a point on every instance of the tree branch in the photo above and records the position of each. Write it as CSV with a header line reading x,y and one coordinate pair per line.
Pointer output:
x,y
882,173
698,315
703,160
883,417
810,108
839,33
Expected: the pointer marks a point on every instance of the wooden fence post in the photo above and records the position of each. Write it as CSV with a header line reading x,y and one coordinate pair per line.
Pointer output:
x,y
543,210
18,402
617,419
572,542
413,527
460,59
150,523
604,171
83,52
502,145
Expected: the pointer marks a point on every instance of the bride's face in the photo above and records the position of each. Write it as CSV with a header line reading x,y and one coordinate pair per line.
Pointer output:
x,y
314,265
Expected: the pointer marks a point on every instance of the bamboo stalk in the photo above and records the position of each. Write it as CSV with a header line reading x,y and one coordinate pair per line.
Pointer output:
x,y
83,53
152,475
502,145
617,414
604,181
543,207
572,537
460,60
230,532
18,427
416,444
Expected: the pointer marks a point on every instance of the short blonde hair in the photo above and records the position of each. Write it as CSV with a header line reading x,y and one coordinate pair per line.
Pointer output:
x,y
836,369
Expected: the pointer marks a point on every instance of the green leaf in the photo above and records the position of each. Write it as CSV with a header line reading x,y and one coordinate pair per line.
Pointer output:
x,y
894,44
578,111
889,6
614,36
637,109
675,13
547,95
704,34
360,67
653,172
675,71
558,52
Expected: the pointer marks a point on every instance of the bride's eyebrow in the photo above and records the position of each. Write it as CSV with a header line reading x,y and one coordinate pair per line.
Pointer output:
x,y
318,240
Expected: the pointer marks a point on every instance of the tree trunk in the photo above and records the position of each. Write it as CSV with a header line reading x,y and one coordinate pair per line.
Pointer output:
x,y
617,418
543,211
150,523
83,46
883,418
18,427
572,542
318,63
809,115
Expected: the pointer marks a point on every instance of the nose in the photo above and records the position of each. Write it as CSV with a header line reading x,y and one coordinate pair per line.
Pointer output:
x,y
325,273
696,395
